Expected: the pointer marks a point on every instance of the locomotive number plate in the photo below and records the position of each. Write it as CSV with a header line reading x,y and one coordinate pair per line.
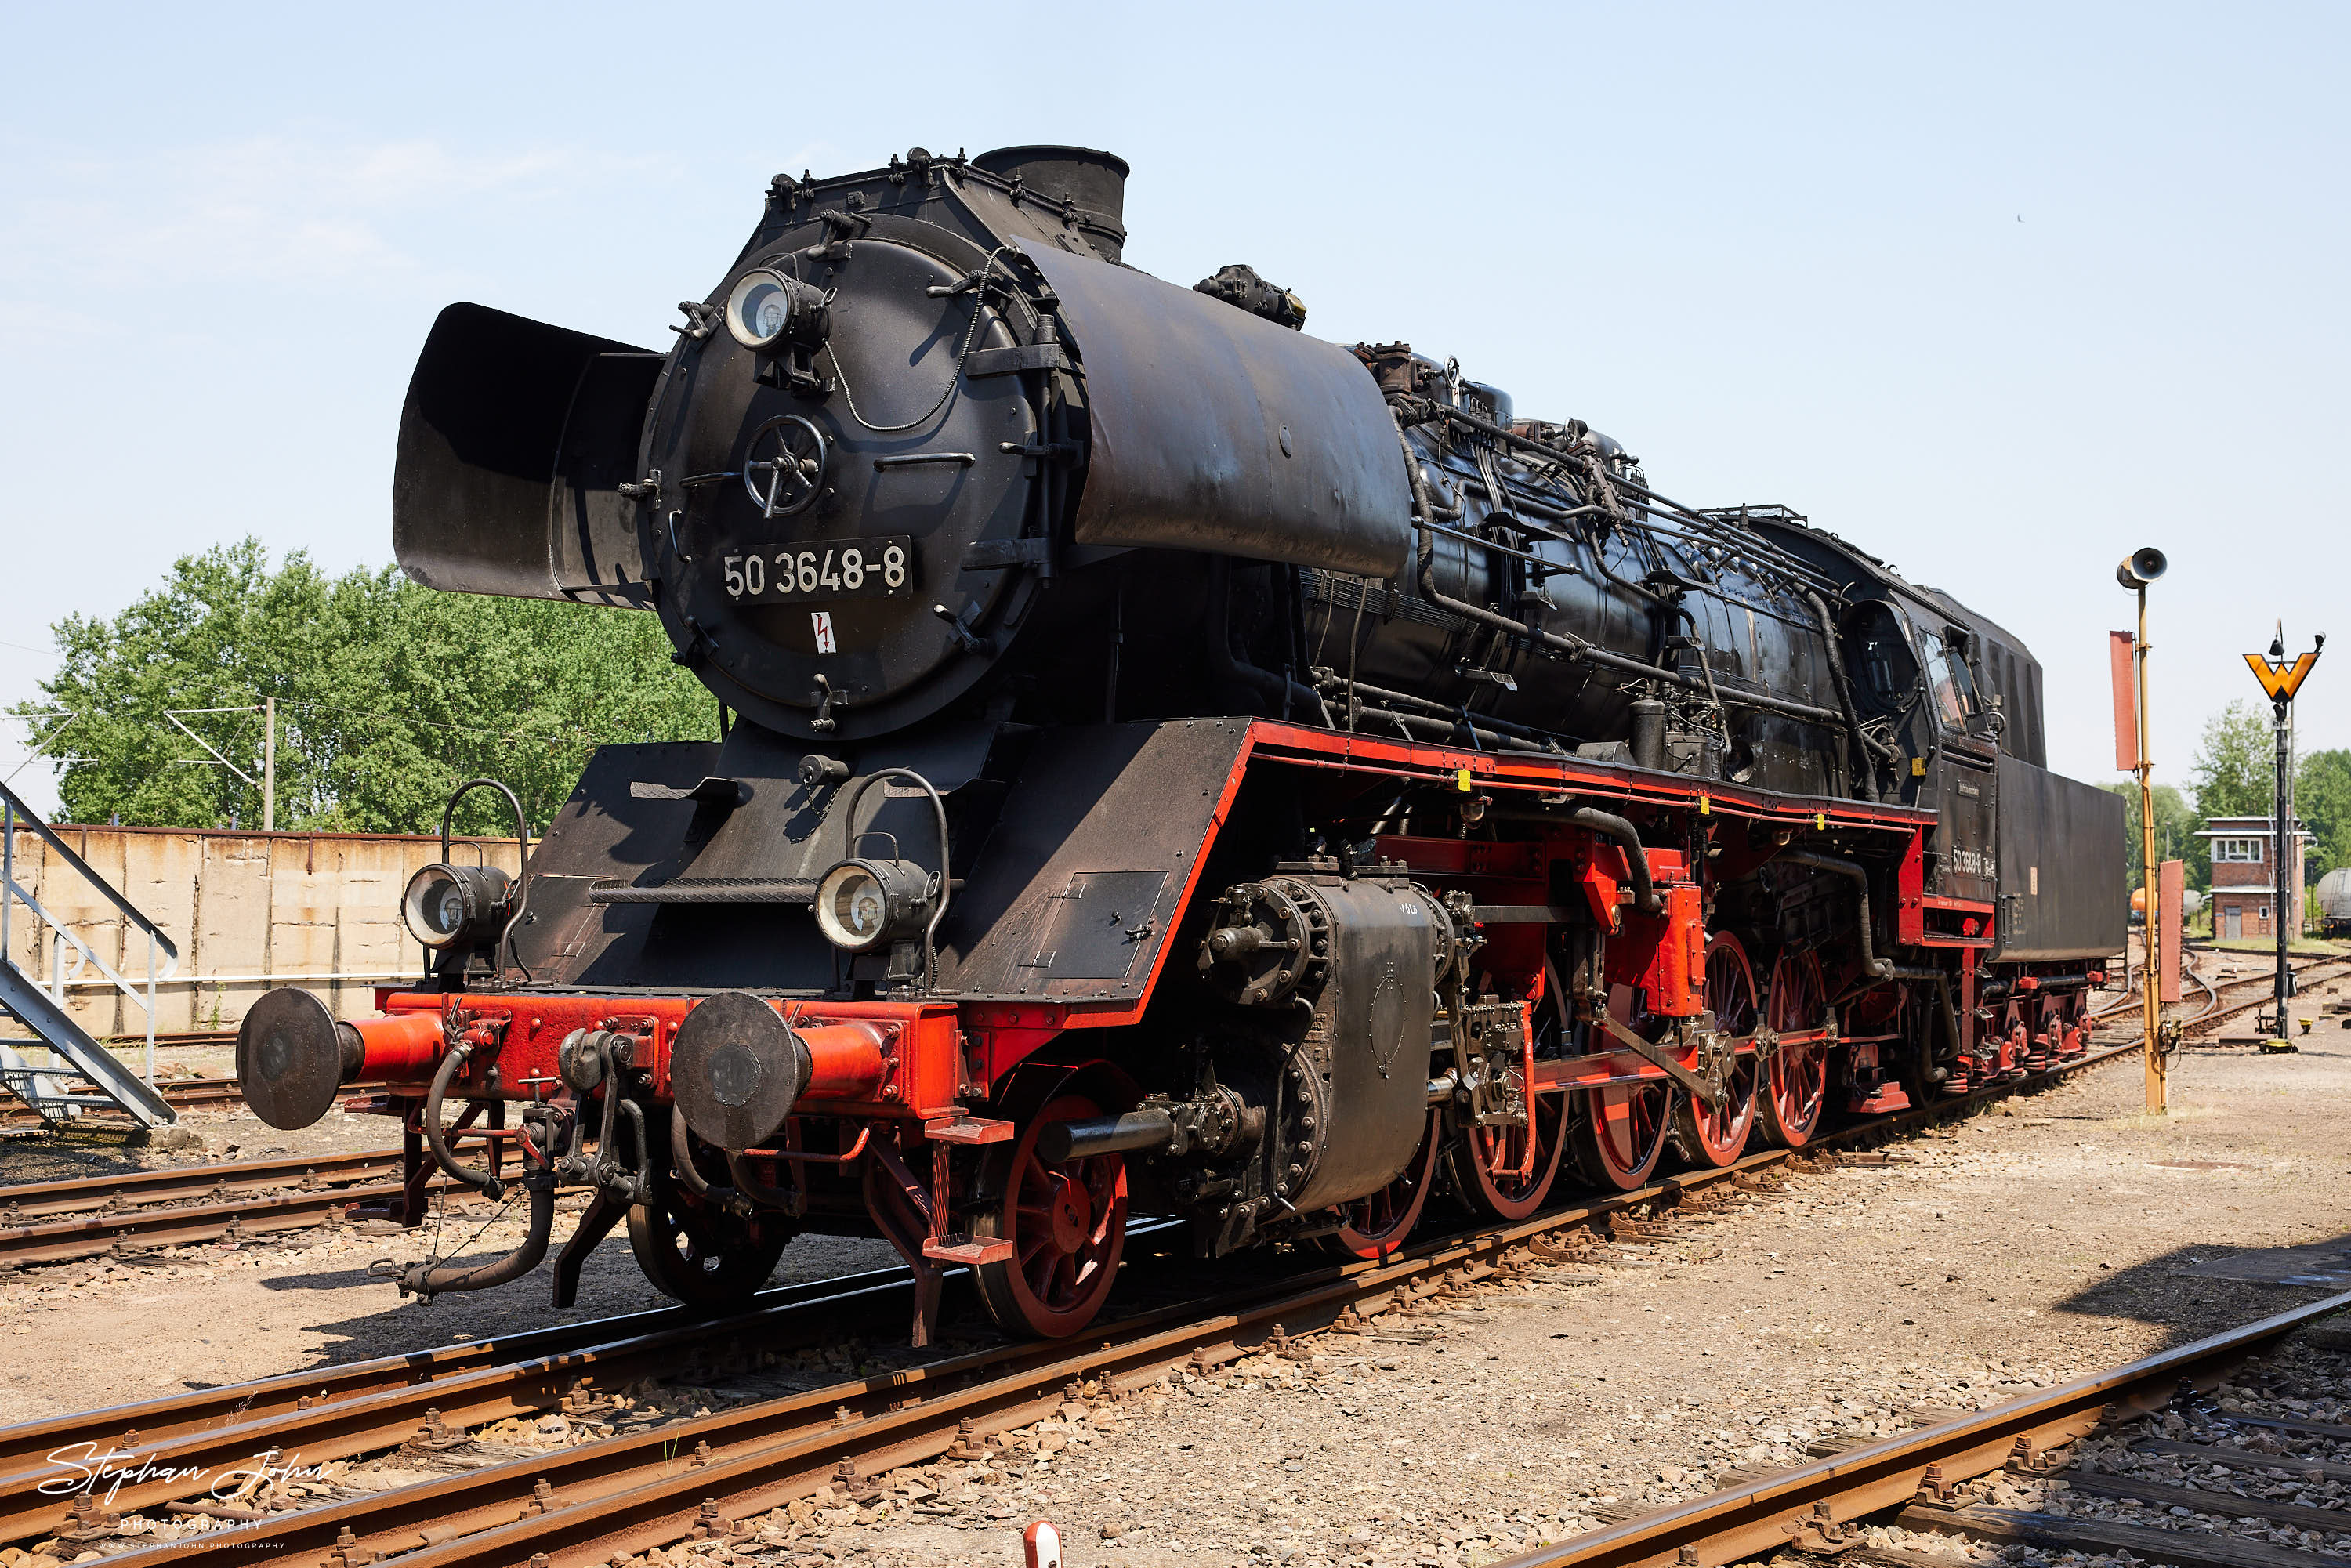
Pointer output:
x,y
880,568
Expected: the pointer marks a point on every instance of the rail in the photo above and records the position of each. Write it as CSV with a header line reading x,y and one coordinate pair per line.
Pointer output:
x,y
1815,1507
44,1011
180,1093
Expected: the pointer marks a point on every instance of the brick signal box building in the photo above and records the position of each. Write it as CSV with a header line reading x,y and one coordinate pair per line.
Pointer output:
x,y
2245,897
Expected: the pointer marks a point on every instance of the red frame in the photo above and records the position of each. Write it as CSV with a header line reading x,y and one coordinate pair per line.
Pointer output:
x,y
938,1054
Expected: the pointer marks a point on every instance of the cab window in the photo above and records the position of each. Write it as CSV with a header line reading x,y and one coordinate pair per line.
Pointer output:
x,y
1878,651
1947,678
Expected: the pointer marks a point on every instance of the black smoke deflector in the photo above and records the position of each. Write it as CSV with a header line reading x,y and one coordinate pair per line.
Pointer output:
x,y
514,442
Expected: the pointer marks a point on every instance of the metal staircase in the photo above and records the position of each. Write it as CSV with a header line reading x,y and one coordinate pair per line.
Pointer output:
x,y
70,1054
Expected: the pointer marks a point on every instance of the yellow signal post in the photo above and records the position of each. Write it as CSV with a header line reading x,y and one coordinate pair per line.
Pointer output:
x,y
2281,678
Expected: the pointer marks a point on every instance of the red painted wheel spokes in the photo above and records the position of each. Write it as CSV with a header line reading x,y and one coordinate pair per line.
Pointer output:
x,y
1625,1131
1796,1084
1067,1224
1509,1184
1377,1224
1706,1133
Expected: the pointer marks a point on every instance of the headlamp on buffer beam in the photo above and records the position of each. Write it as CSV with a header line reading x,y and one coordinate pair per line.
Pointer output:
x,y
865,903
458,906
862,904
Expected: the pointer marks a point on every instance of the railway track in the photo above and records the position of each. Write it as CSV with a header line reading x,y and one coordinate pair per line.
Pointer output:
x,y
180,1093
1823,1508
175,1040
23,1201
2217,1011
635,1490
56,1222
2306,974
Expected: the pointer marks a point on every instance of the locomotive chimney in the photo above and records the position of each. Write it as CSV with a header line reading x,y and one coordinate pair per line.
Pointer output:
x,y
1094,182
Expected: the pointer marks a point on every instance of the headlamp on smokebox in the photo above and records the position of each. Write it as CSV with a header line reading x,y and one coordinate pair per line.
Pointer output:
x,y
457,908
784,321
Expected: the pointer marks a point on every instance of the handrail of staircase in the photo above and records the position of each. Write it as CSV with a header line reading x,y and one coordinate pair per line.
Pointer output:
x,y
85,954
134,1093
12,807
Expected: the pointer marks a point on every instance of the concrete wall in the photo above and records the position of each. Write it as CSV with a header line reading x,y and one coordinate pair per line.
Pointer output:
x,y
248,910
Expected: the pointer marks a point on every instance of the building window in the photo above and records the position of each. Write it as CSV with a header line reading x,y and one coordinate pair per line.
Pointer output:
x,y
2248,850
2265,911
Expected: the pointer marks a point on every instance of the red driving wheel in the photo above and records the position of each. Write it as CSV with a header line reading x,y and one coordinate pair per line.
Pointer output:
x,y
1377,1224
1796,1081
1509,1180
1715,1135
1622,1133
1067,1224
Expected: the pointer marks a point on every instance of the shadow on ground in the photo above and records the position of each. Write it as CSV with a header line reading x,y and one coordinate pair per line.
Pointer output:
x,y
71,1154
376,1321
2198,1289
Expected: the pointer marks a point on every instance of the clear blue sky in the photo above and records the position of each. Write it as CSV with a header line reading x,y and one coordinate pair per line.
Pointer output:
x,y
1998,292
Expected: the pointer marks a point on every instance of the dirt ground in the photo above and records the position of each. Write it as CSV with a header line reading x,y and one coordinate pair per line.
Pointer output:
x,y
111,1332
2062,1233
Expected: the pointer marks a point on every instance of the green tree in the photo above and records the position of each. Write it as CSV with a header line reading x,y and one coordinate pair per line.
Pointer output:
x,y
2322,795
2236,764
2176,824
388,694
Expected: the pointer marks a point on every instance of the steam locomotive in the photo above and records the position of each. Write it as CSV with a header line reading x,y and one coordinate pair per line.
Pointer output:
x,y
1169,765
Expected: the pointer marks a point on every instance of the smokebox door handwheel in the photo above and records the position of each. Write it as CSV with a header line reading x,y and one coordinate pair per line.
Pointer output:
x,y
783,472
